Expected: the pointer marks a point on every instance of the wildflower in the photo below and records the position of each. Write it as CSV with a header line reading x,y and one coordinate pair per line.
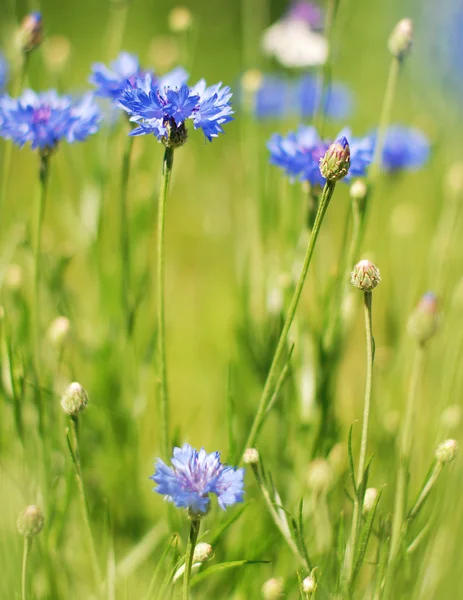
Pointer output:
x,y
447,451
292,41
161,108
3,72
405,149
30,32
111,82
251,456
365,276
401,39
336,162
45,118
424,320
74,400
31,521
193,476
299,154
309,585
307,12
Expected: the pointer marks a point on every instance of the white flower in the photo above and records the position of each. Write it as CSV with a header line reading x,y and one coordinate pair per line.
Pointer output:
x,y
294,44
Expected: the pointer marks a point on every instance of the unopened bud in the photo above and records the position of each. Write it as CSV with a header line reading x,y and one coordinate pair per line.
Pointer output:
x,y
14,277
202,553
336,162
251,456
30,521
180,19
273,588
424,320
309,585
451,416
401,39
338,458
369,499
365,276
358,190
30,33
320,475
447,451
75,399
59,330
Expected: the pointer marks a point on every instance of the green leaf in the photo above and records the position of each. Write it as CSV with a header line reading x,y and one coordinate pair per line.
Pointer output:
x,y
365,536
351,459
364,482
226,566
302,545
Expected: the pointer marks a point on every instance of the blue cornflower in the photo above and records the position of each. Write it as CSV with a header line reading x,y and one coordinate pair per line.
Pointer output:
x,y
405,148
3,72
45,118
194,475
110,82
299,154
278,97
161,107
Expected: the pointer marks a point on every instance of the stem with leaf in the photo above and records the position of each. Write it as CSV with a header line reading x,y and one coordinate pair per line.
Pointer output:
x,y
192,539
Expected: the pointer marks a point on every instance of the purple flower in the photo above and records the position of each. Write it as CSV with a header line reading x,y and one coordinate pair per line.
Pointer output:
x,y
194,475
307,12
161,107
405,149
45,118
110,82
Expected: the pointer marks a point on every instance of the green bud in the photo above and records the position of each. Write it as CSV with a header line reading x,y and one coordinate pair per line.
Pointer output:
x,y
358,190
309,585
74,400
31,521
365,276
447,451
273,588
369,499
202,553
401,39
251,456
424,320
30,34
336,162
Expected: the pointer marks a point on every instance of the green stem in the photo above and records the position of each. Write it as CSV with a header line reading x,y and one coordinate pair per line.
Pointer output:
x,y
358,500
425,491
124,233
163,390
116,27
281,346
192,539
26,552
404,463
75,453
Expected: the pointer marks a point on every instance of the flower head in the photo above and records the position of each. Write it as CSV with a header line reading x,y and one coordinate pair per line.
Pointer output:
x,y
401,39
424,320
111,81
294,45
405,148
336,162
194,475
447,451
161,107
31,521
307,12
45,118
365,276
299,154
30,32
74,400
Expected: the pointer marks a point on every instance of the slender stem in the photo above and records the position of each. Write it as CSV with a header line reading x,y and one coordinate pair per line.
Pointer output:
x,y
163,388
281,346
404,462
358,500
26,552
426,490
192,539
74,447
116,27
124,232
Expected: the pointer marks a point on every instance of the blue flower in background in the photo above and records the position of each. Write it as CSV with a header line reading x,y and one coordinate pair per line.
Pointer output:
x,y
161,107
4,69
110,82
278,97
194,475
45,118
405,148
299,154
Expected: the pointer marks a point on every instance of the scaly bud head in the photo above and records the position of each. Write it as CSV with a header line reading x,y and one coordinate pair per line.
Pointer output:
x,y
424,320
30,521
369,499
251,456
336,162
202,553
74,400
365,276
358,190
447,451
309,585
273,589
30,32
401,39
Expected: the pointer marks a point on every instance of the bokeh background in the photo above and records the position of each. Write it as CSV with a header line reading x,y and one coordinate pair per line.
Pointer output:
x,y
233,227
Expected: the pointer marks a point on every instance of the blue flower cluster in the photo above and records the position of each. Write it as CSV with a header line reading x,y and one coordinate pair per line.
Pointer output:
x,y
299,154
278,97
194,475
405,148
44,119
111,82
160,108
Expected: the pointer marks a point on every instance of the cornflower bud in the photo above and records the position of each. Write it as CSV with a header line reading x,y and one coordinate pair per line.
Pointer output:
x,y
31,521
369,500
251,456
320,475
336,162
30,33
74,400
202,553
273,588
358,190
451,416
424,320
365,276
401,39
309,585
447,451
